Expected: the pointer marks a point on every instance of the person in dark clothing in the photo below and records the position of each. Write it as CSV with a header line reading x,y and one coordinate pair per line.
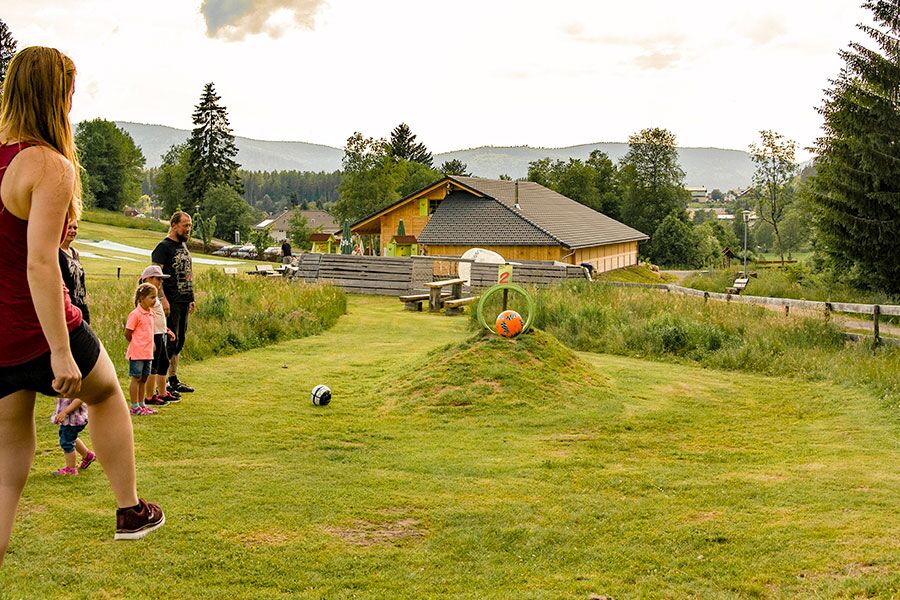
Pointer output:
x,y
174,257
286,251
73,272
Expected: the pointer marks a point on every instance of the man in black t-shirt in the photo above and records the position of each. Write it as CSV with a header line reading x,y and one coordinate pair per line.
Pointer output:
x,y
286,251
178,289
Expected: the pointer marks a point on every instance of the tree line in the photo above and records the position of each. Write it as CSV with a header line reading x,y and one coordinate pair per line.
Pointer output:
x,y
846,207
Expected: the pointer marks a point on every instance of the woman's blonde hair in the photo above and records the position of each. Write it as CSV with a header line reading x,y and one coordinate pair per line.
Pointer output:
x,y
35,106
143,290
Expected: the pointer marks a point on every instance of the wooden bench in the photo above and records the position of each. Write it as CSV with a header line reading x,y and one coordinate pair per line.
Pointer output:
x,y
454,306
435,288
230,271
414,301
265,271
740,283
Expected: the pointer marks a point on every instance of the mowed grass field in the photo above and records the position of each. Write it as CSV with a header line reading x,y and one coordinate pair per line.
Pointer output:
x,y
132,264
480,469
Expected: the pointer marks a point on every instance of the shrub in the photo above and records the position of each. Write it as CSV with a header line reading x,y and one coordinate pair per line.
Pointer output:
x,y
595,317
232,315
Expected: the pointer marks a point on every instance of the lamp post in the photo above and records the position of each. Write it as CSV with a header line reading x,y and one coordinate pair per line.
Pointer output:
x,y
746,215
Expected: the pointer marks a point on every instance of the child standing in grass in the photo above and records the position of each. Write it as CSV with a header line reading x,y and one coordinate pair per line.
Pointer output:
x,y
139,333
71,416
157,395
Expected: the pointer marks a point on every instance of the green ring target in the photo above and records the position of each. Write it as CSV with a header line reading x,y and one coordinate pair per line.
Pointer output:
x,y
509,287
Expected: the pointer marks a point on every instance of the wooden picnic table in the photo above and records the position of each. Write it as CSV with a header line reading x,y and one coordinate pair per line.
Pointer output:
x,y
435,301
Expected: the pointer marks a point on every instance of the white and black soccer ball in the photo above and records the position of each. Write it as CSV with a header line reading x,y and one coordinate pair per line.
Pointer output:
x,y
321,395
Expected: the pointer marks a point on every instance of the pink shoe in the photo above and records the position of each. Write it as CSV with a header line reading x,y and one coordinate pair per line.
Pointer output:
x,y
89,458
66,471
136,411
147,411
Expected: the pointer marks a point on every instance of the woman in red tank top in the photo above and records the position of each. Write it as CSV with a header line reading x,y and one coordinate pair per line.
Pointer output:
x,y
44,345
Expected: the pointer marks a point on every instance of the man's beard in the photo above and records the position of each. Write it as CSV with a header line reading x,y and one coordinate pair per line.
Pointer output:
x,y
183,237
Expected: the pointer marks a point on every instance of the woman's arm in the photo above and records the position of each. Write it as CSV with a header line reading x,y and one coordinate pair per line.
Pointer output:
x,y
51,195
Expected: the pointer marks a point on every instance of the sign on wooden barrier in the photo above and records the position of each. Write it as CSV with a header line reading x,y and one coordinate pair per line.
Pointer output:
x,y
504,274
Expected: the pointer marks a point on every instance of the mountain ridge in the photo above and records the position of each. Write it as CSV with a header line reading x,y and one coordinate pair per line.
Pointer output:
x,y
703,166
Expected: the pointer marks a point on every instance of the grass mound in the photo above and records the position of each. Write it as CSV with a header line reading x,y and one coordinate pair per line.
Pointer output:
x,y
636,274
487,373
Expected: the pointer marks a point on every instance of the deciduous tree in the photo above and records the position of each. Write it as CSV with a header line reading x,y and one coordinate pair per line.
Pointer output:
x,y
229,209
774,179
653,182
112,163
170,179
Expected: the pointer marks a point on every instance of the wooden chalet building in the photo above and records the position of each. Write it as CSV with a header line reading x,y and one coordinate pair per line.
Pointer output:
x,y
520,220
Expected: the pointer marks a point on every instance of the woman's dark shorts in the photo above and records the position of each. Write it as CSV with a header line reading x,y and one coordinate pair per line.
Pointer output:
x,y
160,364
36,374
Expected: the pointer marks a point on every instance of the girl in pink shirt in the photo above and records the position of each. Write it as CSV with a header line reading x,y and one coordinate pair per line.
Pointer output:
x,y
139,333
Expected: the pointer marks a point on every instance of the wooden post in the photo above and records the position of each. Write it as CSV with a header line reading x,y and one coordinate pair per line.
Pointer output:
x,y
118,272
876,312
787,309
457,291
505,298
706,296
434,299
828,311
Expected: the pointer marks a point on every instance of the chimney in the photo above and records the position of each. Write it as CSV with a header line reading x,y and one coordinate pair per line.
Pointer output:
x,y
517,196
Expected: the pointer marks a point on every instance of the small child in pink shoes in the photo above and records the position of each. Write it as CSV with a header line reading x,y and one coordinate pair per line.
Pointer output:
x,y
71,416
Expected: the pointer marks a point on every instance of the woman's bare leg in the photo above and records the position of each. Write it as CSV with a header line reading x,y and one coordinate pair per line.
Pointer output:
x,y
110,425
16,456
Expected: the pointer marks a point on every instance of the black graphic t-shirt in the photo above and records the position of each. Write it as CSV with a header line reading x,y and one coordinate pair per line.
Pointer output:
x,y
175,260
73,279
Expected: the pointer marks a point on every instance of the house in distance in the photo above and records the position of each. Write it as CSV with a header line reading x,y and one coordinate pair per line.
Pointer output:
x,y
520,220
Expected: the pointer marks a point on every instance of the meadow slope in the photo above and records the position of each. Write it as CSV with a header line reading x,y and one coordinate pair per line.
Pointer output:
x,y
453,465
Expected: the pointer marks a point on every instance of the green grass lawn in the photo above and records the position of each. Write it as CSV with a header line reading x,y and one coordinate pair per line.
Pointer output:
x,y
482,469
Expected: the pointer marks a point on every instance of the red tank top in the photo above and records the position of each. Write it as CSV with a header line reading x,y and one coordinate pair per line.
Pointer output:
x,y
21,336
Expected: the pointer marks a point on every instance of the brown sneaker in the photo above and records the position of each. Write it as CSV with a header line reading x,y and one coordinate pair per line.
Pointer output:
x,y
135,523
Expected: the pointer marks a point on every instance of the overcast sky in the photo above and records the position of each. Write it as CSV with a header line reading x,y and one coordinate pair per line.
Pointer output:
x,y
462,74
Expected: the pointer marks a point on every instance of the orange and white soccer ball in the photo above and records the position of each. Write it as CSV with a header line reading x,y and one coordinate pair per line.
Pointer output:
x,y
509,323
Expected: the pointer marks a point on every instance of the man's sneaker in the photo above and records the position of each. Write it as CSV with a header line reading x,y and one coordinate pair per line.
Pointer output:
x,y
172,392
88,459
170,398
136,411
156,400
180,387
136,522
66,471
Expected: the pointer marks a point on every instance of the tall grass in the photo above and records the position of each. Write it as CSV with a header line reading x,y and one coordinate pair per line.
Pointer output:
x,y
109,217
232,315
737,337
794,281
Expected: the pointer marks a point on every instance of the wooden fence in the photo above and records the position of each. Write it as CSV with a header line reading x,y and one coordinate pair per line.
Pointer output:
x,y
875,310
396,276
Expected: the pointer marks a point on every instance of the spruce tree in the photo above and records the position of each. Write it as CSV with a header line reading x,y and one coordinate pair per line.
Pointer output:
x,y
212,150
857,186
403,145
7,50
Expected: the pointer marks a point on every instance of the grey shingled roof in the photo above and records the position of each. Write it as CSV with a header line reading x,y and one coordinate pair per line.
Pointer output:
x,y
571,223
464,218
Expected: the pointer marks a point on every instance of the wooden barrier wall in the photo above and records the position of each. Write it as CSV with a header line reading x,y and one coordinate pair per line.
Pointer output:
x,y
396,276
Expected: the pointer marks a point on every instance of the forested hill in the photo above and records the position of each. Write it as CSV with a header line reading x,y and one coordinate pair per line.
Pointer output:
x,y
710,167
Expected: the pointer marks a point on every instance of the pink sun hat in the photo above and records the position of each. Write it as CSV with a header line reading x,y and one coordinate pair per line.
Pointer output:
x,y
153,271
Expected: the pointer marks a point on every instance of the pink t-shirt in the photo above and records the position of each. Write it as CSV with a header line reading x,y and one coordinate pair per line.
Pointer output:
x,y
140,322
